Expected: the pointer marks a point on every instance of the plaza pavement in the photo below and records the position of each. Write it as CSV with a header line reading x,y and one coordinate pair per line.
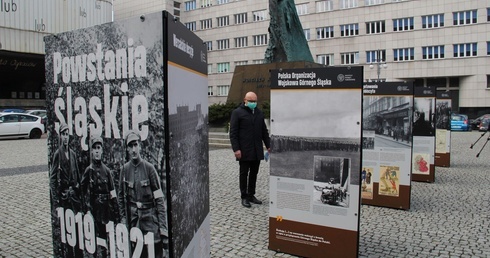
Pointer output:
x,y
448,218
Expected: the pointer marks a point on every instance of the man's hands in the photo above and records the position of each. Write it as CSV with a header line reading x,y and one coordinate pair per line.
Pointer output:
x,y
238,154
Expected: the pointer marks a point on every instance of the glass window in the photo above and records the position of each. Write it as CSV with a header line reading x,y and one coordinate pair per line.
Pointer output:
x,y
223,90
237,63
465,17
260,40
190,5
324,32
223,21
432,52
375,56
488,48
209,45
191,25
375,27
210,91
223,1
323,6
307,34
465,50
325,59
206,24
348,4
210,68
258,61
432,21
223,44
373,2
403,24
349,58
223,67
206,3
240,18
241,42
259,15
403,54
302,9
349,30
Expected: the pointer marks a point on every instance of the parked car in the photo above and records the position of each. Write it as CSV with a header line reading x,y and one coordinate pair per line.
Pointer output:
x,y
485,122
460,122
475,123
13,110
20,125
39,112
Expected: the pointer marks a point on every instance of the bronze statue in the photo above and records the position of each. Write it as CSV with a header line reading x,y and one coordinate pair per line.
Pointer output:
x,y
287,39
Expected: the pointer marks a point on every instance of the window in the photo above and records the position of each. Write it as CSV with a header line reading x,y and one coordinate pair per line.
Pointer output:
x,y
302,9
240,18
223,90
325,59
349,58
348,4
191,25
462,50
403,24
210,68
488,14
375,27
241,42
223,21
206,3
190,5
323,6
209,45
403,54
307,34
375,56
177,9
223,44
210,91
349,30
206,24
258,61
260,15
488,48
373,2
432,21
223,67
237,63
464,17
432,52
260,40
223,1
324,32
488,81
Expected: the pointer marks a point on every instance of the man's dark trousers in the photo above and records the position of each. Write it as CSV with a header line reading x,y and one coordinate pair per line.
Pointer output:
x,y
250,178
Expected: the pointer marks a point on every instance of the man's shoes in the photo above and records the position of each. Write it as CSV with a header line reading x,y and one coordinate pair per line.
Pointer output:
x,y
254,200
245,203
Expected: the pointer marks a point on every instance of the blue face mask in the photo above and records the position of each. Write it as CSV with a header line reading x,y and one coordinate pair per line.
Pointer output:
x,y
252,105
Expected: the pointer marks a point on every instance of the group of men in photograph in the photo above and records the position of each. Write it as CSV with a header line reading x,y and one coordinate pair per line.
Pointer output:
x,y
137,201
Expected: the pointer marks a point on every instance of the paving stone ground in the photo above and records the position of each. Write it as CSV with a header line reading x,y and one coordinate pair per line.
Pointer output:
x,y
448,218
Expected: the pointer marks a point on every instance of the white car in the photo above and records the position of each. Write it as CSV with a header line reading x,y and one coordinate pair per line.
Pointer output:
x,y
20,125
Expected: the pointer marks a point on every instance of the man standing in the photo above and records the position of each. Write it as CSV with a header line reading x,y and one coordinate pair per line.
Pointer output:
x,y
247,132
99,193
140,197
64,178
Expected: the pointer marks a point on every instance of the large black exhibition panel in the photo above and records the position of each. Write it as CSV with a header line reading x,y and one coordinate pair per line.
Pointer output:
x,y
127,140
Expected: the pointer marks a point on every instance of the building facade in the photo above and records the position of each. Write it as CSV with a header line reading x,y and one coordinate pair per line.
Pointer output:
x,y
23,24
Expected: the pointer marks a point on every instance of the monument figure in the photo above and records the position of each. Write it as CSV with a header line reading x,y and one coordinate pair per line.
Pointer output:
x,y
287,41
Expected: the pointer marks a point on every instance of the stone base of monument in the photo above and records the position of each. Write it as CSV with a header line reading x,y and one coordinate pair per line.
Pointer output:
x,y
256,78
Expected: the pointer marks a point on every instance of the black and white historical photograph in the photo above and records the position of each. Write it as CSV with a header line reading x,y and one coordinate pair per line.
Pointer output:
x,y
106,140
424,114
319,125
443,113
331,182
389,117
188,116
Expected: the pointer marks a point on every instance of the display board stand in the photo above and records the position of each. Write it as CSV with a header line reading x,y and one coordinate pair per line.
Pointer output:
x,y
127,111
443,129
315,161
423,168
387,144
